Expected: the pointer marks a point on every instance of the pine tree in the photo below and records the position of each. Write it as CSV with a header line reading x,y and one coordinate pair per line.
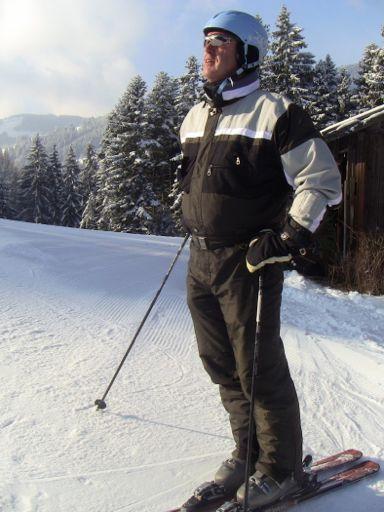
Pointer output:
x,y
189,90
8,175
90,213
267,80
375,78
92,209
112,131
127,200
35,200
176,196
324,107
265,25
71,206
290,67
370,82
56,185
143,213
88,174
189,93
3,199
161,144
344,95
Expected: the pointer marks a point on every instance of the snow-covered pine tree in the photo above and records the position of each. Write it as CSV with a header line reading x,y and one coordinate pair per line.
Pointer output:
x,y
175,196
125,194
375,78
267,81
189,93
306,69
324,106
344,95
71,206
88,174
189,90
144,213
95,218
370,82
55,179
3,199
8,177
161,144
290,66
90,213
7,165
34,195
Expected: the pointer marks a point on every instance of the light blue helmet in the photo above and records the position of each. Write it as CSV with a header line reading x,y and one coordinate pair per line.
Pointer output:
x,y
247,29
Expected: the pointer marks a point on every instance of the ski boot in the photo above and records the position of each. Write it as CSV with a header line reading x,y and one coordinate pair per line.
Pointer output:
x,y
231,474
228,479
265,490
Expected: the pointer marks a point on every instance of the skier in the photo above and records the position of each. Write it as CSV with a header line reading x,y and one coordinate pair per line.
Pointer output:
x,y
244,151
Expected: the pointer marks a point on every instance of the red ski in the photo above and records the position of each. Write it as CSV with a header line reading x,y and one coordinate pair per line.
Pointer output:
x,y
339,480
335,461
204,501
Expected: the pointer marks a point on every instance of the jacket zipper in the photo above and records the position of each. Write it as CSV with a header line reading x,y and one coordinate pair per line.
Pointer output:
x,y
212,112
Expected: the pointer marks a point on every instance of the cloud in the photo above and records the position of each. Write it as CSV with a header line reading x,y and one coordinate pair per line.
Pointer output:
x,y
67,56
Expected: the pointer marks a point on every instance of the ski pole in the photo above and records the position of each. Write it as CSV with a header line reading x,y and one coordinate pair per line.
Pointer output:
x,y
100,402
251,423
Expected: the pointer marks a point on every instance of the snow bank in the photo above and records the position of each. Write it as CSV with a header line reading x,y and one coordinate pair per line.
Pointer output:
x,y
70,302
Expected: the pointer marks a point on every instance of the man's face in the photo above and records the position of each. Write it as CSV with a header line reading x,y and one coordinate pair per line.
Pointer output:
x,y
219,62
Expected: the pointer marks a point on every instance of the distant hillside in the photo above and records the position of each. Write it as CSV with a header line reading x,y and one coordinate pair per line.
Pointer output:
x,y
16,133
26,125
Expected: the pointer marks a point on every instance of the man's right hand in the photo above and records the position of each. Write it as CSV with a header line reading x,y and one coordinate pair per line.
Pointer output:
x,y
269,247
265,249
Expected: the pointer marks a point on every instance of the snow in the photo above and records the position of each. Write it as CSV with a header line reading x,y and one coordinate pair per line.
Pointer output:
x,y
71,301
354,122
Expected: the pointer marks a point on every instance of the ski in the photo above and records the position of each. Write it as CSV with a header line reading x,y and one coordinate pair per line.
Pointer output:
x,y
315,488
335,461
199,504
341,479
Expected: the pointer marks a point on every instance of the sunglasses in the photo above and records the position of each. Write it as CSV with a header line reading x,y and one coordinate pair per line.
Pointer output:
x,y
216,40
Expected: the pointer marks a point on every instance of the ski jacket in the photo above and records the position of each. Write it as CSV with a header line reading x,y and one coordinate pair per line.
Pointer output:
x,y
242,161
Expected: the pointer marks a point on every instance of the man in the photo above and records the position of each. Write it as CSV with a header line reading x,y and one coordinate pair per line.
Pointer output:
x,y
244,150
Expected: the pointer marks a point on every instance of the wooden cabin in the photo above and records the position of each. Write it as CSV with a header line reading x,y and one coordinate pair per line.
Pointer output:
x,y
357,144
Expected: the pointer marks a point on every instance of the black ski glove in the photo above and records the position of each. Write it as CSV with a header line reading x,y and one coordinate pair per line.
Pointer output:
x,y
269,247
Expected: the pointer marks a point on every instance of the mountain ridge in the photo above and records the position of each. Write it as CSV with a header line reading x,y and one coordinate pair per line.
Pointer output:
x,y
17,131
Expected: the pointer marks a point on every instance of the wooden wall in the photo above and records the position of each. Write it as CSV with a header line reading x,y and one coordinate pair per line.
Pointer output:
x,y
360,157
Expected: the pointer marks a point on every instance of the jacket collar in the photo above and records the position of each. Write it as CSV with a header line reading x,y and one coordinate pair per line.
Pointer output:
x,y
231,89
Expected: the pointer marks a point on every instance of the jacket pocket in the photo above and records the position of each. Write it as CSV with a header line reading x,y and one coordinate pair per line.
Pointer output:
x,y
232,179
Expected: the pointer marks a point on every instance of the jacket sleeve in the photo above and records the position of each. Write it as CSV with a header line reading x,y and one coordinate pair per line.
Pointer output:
x,y
309,167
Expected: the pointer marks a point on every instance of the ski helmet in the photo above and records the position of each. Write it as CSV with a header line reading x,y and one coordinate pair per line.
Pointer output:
x,y
248,30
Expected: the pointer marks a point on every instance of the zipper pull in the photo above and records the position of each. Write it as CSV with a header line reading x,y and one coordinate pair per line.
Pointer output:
x,y
238,161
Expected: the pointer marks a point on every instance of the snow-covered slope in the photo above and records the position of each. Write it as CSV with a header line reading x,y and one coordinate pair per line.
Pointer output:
x,y
70,302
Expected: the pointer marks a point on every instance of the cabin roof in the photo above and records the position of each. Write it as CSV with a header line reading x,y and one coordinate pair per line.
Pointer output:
x,y
353,124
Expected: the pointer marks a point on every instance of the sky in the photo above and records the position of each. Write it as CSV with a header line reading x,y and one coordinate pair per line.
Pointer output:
x,y
77,56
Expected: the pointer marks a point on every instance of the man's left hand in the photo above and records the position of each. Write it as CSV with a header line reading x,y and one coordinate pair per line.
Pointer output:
x,y
269,247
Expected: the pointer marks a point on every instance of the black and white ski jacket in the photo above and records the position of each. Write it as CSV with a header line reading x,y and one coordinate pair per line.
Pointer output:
x,y
242,161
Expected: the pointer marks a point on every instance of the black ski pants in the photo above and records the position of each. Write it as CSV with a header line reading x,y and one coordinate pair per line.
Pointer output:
x,y
222,298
